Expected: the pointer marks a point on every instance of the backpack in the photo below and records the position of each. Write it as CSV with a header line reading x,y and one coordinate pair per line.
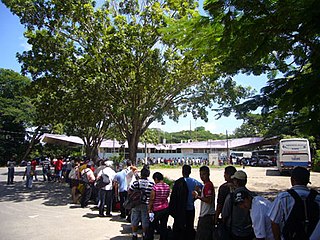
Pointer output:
x,y
84,177
303,217
103,181
135,198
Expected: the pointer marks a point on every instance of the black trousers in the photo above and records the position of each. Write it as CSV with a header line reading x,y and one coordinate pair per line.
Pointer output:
x,y
86,195
186,230
160,221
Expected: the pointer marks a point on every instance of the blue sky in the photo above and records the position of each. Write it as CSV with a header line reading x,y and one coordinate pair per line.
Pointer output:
x,y
12,41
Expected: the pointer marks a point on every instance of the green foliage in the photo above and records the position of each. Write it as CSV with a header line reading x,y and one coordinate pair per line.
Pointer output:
x,y
316,162
279,38
15,114
276,38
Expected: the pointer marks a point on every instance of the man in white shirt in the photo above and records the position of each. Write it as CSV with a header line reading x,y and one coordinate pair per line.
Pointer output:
x,y
283,204
259,208
105,193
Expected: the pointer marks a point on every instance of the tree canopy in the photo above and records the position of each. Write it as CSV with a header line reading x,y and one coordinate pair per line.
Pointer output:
x,y
15,113
95,66
273,37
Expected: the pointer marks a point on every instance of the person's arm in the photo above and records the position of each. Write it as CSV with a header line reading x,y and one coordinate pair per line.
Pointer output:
x,y
151,201
218,212
276,230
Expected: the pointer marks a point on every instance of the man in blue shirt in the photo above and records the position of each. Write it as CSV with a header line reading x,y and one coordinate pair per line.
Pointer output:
x,y
181,205
121,179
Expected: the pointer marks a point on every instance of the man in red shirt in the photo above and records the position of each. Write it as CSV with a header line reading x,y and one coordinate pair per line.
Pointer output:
x,y
207,209
33,168
58,169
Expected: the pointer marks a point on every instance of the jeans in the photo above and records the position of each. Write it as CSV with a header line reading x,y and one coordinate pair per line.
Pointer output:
x,y
10,175
29,181
123,196
105,197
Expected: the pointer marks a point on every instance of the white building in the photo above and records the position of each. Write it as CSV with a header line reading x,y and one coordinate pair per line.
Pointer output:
x,y
211,149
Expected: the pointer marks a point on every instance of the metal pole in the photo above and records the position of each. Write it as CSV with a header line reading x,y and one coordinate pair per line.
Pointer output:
x,y
227,146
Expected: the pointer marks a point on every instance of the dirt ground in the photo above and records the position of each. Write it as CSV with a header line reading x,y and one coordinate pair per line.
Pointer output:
x,y
39,211
265,181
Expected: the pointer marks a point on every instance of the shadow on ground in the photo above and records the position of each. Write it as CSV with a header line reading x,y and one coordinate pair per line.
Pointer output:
x,y
53,194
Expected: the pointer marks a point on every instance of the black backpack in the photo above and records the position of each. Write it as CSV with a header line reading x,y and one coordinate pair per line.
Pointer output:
x,y
303,217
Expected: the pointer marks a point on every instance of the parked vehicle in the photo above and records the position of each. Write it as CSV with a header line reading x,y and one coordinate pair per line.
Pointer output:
x,y
293,152
261,161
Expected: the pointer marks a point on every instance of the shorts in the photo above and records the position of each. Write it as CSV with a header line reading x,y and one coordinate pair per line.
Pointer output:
x,y
140,213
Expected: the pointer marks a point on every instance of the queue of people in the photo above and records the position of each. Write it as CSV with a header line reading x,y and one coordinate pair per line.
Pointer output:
x,y
239,214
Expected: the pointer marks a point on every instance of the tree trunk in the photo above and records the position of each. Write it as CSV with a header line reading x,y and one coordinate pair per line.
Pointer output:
x,y
133,147
31,144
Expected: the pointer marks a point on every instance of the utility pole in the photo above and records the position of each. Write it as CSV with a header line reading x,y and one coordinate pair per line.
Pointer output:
x,y
227,145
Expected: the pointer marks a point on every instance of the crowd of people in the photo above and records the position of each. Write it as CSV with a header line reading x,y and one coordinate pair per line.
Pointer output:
x,y
237,213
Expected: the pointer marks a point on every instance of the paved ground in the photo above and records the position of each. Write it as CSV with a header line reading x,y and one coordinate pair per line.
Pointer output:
x,y
45,212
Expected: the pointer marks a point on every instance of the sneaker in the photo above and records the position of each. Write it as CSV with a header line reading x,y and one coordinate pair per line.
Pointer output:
x,y
134,237
108,215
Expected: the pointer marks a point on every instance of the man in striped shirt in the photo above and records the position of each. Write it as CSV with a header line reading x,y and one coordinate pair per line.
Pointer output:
x,y
140,212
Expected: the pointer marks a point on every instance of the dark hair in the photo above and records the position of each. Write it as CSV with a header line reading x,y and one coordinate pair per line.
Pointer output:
x,y
145,172
230,170
301,175
205,169
186,170
129,163
158,176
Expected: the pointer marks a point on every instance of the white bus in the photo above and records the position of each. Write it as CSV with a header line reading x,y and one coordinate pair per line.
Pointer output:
x,y
293,152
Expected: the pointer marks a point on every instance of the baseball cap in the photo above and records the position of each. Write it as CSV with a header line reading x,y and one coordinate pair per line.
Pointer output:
x,y
241,175
108,163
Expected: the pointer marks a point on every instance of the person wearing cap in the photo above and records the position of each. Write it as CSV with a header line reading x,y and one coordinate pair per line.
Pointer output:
x,y
259,207
237,220
284,202
105,193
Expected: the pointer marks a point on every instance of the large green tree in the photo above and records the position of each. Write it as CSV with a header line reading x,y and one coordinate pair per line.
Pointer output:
x,y
15,112
93,66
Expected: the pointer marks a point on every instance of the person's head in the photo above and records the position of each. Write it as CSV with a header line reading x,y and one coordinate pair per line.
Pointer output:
x,y
243,198
157,177
145,172
300,176
239,178
204,173
186,170
108,163
129,163
228,172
